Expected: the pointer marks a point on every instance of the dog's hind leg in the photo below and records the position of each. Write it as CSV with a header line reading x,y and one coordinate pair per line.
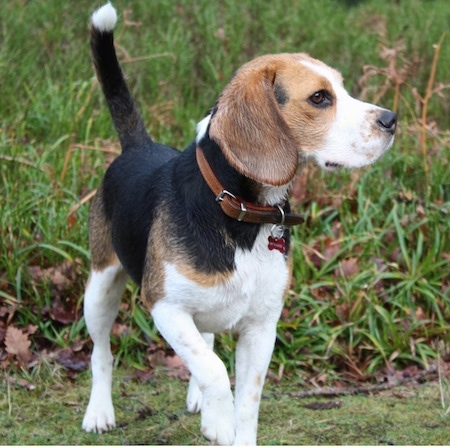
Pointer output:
x,y
194,395
101,306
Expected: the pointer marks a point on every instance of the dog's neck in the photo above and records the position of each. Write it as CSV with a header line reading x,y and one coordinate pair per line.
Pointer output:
x,y
238,205
233,180
237,183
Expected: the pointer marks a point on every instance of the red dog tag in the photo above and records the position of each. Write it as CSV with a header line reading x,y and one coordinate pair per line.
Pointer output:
x,y
277,243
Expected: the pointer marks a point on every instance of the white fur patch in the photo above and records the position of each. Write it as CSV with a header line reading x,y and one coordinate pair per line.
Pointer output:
x,y
354,139
255,290
202,127
323,70
105,18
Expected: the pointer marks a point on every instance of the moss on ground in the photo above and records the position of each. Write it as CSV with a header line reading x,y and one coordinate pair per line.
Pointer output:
x,y
154,413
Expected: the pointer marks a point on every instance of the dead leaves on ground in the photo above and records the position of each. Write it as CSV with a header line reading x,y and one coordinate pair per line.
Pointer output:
x,y
22,346
25,347
64,282
328,405
18,344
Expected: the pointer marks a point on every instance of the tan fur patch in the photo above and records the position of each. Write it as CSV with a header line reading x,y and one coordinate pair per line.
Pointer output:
x,y
290,266
100,239
164,247
153,277
309,125
203,279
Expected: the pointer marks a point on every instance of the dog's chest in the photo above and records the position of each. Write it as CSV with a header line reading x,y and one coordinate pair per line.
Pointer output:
x,y
254,290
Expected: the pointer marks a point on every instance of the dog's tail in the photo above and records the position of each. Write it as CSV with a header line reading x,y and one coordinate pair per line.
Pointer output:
x,y
124,111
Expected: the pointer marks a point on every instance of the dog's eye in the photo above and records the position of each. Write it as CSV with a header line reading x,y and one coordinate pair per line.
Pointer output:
x,y
320,98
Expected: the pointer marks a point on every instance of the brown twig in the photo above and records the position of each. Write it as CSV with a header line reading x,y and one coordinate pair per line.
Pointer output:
x,y
334,391
21,161
425,100
85,199
74,146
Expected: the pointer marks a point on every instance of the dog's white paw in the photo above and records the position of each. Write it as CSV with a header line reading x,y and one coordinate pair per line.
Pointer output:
x,y
99,419
194,397
218,419
245,438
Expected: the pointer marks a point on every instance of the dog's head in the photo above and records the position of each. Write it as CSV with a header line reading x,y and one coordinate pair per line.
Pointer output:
x,y
280,108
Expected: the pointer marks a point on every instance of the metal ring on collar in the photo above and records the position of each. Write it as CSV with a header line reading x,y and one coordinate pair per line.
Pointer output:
x,y
283,216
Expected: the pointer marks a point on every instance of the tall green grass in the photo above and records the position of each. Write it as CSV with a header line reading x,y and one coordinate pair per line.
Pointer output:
x,y
57,139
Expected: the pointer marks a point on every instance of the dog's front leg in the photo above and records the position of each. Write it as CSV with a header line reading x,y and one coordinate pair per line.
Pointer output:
x,y
217,410
253,354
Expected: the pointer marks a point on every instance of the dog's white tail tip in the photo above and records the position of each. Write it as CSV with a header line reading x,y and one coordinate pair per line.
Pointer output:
x,y
105,18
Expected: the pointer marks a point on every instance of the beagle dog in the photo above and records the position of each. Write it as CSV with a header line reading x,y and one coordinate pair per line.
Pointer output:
x,y
205,231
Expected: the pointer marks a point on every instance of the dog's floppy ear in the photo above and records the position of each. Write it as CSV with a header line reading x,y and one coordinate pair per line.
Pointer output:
x,y
250,129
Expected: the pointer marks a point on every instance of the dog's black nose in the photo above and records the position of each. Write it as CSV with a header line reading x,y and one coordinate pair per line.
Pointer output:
x,y
387,121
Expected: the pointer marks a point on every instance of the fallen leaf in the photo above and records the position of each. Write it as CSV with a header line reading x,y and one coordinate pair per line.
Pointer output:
x,y
343,311
22,383
332,247
4,311
182,373
2,331
174,361
144,376
64,312
405,196
61,278
420,314
176,368
420,211
31,329
120,329
71,220
324,405
347,268
146,412
76,361
322,251
17,344
77,345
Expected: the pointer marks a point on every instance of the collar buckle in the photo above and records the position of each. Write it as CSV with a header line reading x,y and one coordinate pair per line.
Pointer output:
x,y
220,196
243,207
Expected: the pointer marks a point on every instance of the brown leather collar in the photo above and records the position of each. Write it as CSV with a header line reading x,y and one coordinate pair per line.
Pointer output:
x,y
238,208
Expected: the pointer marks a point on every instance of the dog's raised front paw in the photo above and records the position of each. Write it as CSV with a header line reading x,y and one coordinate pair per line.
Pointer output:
x,y
99,420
